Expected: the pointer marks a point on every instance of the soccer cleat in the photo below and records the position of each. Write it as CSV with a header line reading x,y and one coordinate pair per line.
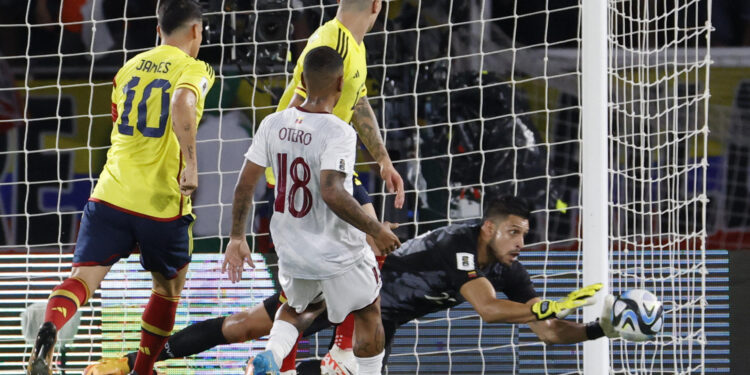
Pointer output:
x,y
109,366
339,362
40,362
263,364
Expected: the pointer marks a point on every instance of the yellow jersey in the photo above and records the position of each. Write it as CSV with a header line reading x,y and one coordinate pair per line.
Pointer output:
x,y
335,35
144,163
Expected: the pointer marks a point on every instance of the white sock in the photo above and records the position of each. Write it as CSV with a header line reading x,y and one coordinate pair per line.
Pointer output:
x,y
370,365
281,340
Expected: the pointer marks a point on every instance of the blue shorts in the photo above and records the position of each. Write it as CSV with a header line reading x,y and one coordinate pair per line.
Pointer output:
x,y
108,234
359,192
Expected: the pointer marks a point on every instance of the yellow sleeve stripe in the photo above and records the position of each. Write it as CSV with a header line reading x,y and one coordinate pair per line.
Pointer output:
x,y
168,298
86,286
190,86
67,294
155,330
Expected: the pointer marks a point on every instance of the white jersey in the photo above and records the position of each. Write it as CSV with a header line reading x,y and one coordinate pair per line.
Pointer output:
x,y
311,241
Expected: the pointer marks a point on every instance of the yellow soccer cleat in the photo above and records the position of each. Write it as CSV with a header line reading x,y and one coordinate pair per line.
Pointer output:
x,y
109,366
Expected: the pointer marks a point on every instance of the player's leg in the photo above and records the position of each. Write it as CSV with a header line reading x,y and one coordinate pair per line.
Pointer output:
x,y
158,318
341,351
166,249
302,296
369,339
103,238
357,290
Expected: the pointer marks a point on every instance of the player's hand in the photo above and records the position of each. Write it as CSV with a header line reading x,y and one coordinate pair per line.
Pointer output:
x,y
188,180
235,257
605,320
585,292
385,240
393,182
546,309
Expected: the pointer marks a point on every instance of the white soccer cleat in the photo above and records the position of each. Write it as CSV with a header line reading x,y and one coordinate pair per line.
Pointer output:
x,y
339,362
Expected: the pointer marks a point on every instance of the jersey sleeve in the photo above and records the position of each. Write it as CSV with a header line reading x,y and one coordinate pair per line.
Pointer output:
x,y
518,285
198,77
338,154
257,153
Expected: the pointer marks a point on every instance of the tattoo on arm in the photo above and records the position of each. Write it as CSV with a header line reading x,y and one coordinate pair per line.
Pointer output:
x,y
243,199
366,124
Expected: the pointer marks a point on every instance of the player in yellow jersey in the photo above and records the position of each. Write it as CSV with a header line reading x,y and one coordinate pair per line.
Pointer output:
x,y
143,195
345,33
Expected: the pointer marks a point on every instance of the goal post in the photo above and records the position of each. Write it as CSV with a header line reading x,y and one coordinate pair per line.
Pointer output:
x,y
594,157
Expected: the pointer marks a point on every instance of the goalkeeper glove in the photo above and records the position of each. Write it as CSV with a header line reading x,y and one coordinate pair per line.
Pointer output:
x,y
546,309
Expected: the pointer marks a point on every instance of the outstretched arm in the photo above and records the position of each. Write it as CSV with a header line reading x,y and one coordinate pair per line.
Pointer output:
x,y
366,124
482,296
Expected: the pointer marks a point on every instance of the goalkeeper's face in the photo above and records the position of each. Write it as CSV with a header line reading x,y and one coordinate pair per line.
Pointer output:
x,y
507,240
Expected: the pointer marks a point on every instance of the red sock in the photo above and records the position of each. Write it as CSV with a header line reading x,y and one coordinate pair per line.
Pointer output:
x,y
381,260
156,326
290,361
344,332
65,300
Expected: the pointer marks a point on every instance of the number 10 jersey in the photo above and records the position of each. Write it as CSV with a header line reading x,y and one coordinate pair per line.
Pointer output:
x,y
143,166
311,241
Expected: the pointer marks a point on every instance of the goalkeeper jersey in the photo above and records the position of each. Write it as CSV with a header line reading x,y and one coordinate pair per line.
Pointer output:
x,y
144,162
426,273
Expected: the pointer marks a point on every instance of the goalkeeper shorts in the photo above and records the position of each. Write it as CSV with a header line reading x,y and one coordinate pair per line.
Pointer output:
x,y
107,234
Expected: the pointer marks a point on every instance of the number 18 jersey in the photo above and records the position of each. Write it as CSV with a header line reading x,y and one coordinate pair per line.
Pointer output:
x,y
311,241
141,175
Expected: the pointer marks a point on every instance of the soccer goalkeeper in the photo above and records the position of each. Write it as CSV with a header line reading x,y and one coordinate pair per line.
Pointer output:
x,y
435,271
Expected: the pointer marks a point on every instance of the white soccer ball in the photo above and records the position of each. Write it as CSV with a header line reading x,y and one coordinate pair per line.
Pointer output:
x,y
637,315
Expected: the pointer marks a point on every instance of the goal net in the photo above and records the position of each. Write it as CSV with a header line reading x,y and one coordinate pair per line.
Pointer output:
x,y
475,98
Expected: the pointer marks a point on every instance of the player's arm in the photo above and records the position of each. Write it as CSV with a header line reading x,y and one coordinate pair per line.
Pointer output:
x,y
366,124
185,128
482,296
348,209
238,252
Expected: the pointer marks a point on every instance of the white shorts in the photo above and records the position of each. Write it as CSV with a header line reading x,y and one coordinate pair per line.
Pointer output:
x,y
350,291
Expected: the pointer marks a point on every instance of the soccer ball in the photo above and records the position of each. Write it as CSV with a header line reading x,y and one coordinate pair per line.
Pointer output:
x,y
637,315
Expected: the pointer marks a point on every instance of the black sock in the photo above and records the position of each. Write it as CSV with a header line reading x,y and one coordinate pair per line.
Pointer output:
x,y
194,339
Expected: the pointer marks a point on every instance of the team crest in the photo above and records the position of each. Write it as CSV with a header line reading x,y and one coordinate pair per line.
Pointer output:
x,y
465,261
